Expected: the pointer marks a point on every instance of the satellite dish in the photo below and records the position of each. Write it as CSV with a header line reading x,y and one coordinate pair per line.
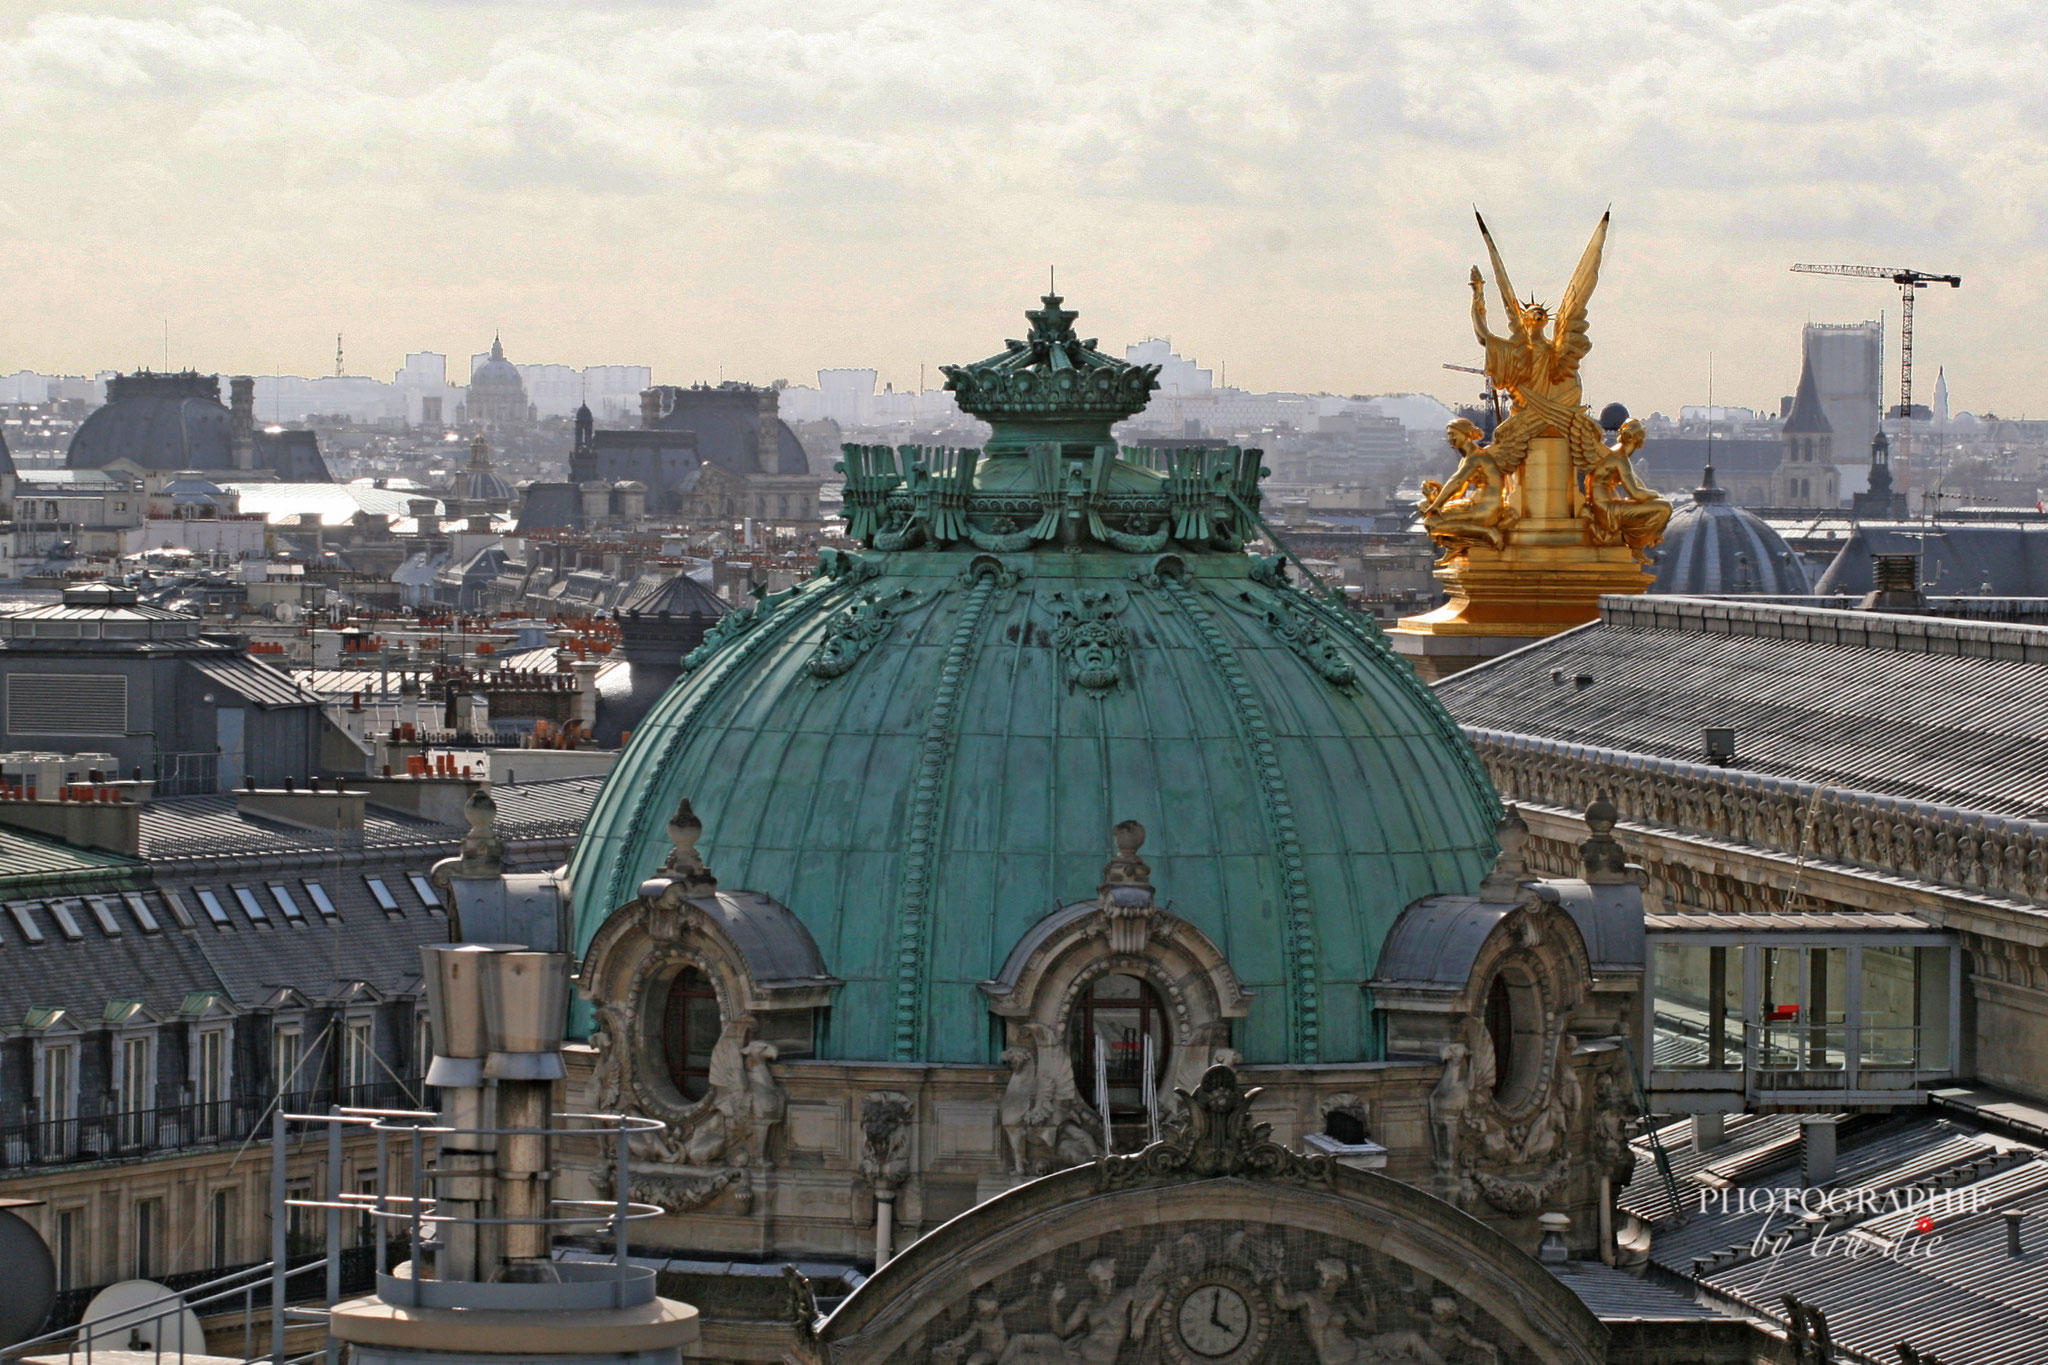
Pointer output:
x,y
31,1279
140,1315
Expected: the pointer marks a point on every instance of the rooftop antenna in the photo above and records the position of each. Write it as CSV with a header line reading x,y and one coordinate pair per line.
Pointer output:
x,y
337,355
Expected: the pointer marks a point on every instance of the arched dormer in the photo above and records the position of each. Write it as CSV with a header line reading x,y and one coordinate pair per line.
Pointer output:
x,y
1118,964
694,986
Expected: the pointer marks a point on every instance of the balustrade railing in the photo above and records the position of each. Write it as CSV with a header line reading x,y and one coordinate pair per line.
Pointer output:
x,y
1972,851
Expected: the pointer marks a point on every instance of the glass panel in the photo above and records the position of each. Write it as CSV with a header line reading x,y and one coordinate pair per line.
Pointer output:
x,y
425,890
1698,1007
139,907
211,904
321,901
285,901
67,923
1778,1027
250,905
177,908
103,911
1889,1013
690,1029
383,894
1827,1004
1931,980
25,921
1119,1012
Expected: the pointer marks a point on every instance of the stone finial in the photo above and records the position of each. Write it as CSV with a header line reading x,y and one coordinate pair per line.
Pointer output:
x,y
1125,894
1605,860
1503,885
684,864
483,852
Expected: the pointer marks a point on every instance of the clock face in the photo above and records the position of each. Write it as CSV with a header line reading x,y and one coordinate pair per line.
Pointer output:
x,y
1214,1320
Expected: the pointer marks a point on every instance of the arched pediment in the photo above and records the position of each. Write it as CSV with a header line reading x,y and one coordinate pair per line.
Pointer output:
x,y
1215,1244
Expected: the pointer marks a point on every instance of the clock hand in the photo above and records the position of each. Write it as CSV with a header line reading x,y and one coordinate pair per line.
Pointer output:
x,y
1216,1310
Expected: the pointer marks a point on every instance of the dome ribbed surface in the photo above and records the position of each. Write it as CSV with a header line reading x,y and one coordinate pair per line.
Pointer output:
x,y
922,810
921,751
1713,546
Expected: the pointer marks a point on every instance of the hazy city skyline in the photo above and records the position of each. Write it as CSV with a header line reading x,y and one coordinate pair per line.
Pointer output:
x,y
762,191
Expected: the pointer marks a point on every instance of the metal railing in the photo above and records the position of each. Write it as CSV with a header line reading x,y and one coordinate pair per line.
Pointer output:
x,y
187,774
426,1224
162,1321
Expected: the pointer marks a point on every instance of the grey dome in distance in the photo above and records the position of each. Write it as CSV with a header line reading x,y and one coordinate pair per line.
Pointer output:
x,y
1713,546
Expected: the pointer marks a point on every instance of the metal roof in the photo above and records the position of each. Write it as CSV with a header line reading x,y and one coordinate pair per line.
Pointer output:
x,y
1904,706
252,681
1951,1288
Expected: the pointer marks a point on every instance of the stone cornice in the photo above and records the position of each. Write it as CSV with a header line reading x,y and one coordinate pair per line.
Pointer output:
x,y
1983,855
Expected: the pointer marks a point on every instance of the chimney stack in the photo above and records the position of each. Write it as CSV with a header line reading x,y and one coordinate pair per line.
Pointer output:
x,y
1895,581
2013,1219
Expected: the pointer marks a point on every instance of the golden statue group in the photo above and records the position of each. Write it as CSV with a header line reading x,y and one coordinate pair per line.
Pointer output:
x,y
1537,523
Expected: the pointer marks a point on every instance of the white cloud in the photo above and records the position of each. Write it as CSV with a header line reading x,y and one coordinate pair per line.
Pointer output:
x,y
776,186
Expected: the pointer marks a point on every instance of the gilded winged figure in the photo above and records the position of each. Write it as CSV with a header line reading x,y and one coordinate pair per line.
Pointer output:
x,y
1537,363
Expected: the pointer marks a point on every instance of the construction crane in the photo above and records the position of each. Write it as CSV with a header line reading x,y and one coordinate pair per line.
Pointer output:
x,y
1909,282
1488,393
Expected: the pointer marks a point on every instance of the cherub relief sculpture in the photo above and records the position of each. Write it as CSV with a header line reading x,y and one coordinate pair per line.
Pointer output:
x,y
1344,1333
1471,507
1620,509
1094,1331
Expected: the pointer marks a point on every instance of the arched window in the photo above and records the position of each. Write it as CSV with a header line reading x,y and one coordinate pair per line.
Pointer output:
x,y
690,1027
1122,1012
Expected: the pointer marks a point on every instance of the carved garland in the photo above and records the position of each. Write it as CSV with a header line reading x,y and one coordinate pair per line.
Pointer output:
x,y
1304,989
928,794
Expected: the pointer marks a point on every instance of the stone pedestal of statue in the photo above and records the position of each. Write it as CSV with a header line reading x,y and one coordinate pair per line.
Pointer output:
x,y
1548,578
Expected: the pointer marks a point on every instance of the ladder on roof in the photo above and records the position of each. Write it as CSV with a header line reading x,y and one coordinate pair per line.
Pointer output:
x,y
1657,1152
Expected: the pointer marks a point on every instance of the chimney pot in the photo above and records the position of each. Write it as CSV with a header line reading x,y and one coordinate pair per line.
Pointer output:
x,y
2013,1218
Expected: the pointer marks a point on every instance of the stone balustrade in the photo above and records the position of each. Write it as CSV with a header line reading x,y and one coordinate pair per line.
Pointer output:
x,y
1976,852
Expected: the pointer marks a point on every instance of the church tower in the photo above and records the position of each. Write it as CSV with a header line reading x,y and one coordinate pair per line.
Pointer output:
x,y
1806,475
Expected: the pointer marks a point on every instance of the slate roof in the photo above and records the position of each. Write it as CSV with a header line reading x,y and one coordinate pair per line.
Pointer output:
x,y
174,947
210,827
550,507
673,594
1954,559
1807,417
1943,711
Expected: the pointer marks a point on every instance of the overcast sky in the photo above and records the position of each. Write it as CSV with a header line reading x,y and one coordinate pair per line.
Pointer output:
x,y
757,189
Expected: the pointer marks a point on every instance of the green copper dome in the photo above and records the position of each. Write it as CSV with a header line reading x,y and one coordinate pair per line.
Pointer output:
x,y
921,750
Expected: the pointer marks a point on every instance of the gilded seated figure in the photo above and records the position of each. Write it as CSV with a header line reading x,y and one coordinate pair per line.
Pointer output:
x,y
1471,507
1620,508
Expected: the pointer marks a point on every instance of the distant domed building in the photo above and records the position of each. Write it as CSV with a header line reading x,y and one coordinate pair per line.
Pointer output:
x,y
480,490
166,423
497,395
1713,546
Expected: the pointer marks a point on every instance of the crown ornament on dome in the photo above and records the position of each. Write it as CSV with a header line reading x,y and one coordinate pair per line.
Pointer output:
x,y
1052,374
